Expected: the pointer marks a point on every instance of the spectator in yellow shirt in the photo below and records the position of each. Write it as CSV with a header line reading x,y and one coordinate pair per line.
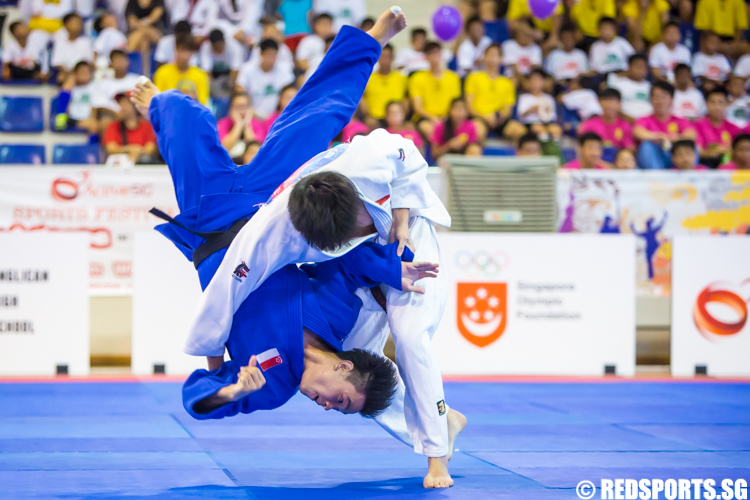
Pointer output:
x,y
189,80
586,14
432,91
726,18
491,96
385,85
547,31
645,19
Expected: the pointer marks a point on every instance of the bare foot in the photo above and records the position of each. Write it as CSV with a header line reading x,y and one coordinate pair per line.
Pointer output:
x,y
387,26
456,424
141,96
437,473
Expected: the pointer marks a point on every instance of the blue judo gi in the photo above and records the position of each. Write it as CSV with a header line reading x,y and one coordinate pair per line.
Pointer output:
x,y
320,297
212,194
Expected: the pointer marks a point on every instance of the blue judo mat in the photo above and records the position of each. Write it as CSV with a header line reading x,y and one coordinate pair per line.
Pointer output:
x,y
120,440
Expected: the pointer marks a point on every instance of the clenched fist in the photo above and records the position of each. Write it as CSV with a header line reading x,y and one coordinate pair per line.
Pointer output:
x,y
250,379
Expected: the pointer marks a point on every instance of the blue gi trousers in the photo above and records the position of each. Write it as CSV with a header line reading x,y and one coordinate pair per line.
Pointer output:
x,y
212,192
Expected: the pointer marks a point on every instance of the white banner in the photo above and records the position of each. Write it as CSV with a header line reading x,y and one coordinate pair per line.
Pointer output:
x,y
44,304
537,304
711,291
655,206
106,204
165,295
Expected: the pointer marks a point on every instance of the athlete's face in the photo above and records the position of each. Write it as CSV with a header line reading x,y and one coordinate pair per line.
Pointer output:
x,y
328,386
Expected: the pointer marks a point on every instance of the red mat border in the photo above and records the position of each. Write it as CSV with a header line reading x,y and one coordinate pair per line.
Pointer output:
x,y
455,378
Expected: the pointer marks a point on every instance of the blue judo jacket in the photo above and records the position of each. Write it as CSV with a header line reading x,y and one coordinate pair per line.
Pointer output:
x,y
320,297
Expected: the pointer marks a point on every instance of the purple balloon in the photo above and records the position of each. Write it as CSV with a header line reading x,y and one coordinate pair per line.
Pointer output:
x,y
446,22
542,9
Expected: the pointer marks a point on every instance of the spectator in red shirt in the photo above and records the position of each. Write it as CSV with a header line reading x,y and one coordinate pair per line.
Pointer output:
x,y
715,133
395,117
131,135
656,133
610,126
456,133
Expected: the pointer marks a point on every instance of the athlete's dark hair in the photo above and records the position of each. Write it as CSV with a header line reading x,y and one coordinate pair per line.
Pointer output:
x,y
323,208
374,376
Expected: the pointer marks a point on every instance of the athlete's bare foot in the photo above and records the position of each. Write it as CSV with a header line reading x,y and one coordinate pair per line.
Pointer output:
x,y
456,424
437,473
141,96
387,26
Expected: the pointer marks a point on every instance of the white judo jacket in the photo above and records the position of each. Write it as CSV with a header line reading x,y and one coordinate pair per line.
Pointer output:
x,y
388,172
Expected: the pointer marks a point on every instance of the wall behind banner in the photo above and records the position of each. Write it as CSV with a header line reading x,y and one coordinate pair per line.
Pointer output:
x,y
655,206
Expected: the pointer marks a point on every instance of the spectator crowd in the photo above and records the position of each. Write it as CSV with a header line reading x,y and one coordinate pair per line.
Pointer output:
x,y
652,84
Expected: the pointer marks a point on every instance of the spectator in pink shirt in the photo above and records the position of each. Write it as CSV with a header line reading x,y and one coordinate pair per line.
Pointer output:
x,y
740,154
395,116
455,133
240,127
614,130
285,97
715,133
589,153
352,130
658,131
683,156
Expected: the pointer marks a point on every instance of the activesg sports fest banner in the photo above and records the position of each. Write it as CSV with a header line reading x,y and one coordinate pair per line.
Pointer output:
x,y
655,206
108,205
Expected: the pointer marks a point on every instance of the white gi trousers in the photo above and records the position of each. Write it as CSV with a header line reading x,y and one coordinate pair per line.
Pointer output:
x,y
418,413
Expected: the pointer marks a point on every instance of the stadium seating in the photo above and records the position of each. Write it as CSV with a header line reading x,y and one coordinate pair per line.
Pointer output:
x,y
136,63
21,114
28,154
77,154
53,113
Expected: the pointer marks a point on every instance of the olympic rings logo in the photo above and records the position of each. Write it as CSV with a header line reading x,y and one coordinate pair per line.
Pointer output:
x,y
711,327
482,262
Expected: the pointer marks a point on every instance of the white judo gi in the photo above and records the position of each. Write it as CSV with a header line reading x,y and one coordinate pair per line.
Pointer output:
x,y
388,172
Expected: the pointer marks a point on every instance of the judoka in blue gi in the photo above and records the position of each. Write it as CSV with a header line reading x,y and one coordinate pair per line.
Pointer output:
x,y
384,173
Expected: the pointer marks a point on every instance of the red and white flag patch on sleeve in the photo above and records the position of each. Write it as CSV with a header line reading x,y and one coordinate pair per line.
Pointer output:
x,y
269,359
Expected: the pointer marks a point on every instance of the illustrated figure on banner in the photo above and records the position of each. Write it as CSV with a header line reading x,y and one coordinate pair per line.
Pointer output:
x,y
652,242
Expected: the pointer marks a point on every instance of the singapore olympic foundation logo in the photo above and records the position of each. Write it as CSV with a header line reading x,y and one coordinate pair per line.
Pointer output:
x,y
720,311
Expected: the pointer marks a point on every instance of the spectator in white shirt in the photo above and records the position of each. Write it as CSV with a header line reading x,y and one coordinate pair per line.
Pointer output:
x,y
411,58
634,88
203,15
668,53
108,88
688,101
521,54
738,111
314,44
610,53
74,102
24,54
221,59
317,59
271,31
263,79
710,66
538,110
471,51
344,12
569,62
165,48
742,67
109,38
70,46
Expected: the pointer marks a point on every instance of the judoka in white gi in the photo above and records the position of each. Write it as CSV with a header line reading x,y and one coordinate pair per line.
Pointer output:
x,y
383,177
